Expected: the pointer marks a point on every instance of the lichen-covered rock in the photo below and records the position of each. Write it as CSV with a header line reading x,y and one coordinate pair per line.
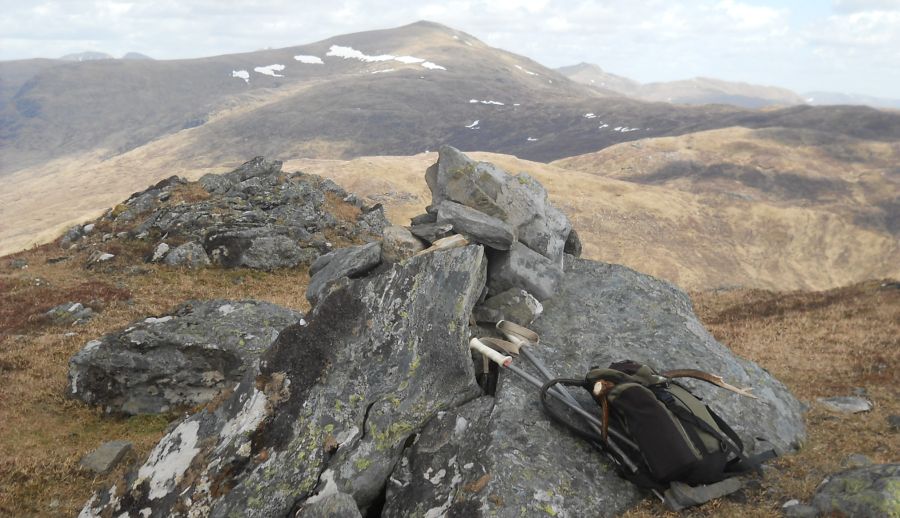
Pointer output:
x,y
869,492
522,267
69,313
399,244
255,216
334,505
476,226
332,406
189,255
519,201
344,262
182,359
514,304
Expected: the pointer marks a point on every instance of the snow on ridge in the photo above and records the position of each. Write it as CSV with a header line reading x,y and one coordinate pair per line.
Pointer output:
x,y
476,101
590,116
474,125
271,70
339,51
309,60
384,71
532,139
243,74
529,72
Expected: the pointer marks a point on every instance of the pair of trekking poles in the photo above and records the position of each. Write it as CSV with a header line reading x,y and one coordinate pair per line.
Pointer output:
x,y
518,341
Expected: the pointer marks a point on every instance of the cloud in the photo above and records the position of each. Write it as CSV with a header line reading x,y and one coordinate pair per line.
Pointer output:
x,y
649,40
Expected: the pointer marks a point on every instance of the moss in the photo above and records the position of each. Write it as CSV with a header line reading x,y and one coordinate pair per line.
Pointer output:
x,y
392,435
547,508
362,464
338,406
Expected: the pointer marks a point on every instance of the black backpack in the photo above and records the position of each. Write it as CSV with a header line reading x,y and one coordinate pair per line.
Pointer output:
x,y
672,434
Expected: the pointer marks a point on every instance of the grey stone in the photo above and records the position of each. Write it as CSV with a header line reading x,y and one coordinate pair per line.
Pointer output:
x,y
856,460
422,219
71,236
399,244
869,492
160,252
519,201
573,244
681,496
800,511
216,183
332,405
477,226
894,422
106,457
87,229
431,232
182,359
345,262
69,313
333,505
521,267
514,304
18,264
189,255
846,404
271,252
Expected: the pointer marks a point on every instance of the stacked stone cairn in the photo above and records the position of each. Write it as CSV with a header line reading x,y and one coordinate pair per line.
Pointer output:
x,y
525,236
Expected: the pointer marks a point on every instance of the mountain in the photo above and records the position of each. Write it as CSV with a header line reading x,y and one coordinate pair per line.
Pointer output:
x,y
699,90
826,98
135,55
398,91
86,56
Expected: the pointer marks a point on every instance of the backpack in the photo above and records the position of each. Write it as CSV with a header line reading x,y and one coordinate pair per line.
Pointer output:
x,y
672,435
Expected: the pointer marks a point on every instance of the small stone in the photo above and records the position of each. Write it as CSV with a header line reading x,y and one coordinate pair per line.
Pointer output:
x,y
161,250
514,304
421,219
846,404
106,237
104,459
894,422
790,503
431,232
800,511
857,460
18,264
476,225
399,244
190,255
335,505
88,228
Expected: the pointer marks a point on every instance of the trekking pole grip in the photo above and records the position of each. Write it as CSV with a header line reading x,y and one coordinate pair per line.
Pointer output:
x,y
496,357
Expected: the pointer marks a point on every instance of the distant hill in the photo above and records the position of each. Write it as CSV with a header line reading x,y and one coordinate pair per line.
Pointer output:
x,y
86,56
699,90
135,55
398,91
826,98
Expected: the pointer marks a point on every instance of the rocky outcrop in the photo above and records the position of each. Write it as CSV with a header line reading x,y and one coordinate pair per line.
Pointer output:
x,y
255,216
331,406
868,492
504,457
177,360
374,399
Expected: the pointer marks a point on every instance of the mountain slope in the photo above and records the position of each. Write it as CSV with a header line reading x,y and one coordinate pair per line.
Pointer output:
x,y
699,90
397,91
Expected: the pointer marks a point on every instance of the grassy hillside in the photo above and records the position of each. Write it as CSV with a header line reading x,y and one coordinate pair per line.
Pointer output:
x,y
821,344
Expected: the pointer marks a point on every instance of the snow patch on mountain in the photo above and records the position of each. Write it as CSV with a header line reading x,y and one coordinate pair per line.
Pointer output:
x,y
309,60
271,70
529,72
474,125
243,74
476,101
339,51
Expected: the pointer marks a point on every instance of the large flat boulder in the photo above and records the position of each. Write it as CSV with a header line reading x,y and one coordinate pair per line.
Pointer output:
x,y
868,492
332,405
178,360
504,457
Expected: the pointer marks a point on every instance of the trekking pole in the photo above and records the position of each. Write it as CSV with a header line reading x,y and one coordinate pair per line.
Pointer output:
x,y
521,337
506,362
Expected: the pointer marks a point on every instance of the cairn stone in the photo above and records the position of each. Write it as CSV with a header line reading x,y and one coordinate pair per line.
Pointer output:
x,y
522,267
399,244
344,262
514,304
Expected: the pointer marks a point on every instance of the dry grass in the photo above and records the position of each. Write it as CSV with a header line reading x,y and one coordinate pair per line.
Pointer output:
x,y
42,433
819,344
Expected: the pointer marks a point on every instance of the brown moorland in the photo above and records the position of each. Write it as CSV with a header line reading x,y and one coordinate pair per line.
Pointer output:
x,y
820,343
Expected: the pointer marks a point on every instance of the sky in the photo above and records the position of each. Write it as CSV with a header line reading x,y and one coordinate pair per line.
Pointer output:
x,y
850,46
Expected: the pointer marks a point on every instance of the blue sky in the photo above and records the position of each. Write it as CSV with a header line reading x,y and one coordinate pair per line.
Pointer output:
x,y
848,46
